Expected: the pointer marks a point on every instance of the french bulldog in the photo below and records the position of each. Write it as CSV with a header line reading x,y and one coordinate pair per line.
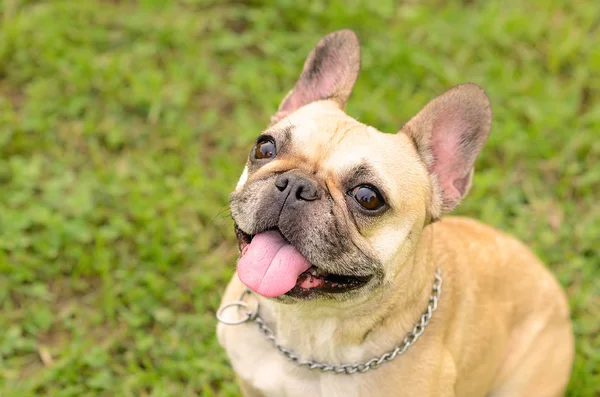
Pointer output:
x,y
352,283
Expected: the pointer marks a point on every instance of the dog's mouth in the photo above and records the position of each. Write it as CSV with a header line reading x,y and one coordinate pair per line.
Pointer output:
x,y
243,238
271,266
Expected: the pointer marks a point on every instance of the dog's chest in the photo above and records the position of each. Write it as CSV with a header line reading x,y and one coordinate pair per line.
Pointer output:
x,y
259,364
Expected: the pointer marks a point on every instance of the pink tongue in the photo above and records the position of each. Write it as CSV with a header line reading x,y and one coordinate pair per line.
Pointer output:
x,y
270,266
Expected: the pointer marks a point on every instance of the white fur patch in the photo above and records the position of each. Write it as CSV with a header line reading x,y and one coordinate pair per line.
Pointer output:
x,y
243,179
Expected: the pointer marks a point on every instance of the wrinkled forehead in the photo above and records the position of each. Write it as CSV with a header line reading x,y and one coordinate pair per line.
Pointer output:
x,y
327,142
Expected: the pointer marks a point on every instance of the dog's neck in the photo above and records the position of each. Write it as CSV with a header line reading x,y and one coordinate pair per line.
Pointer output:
x,y
341,333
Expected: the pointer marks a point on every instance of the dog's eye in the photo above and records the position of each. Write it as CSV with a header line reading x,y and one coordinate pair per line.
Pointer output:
x,y
265,149
368,197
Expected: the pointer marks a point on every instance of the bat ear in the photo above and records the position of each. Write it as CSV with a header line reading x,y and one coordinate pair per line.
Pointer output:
x,y
449,133
329,72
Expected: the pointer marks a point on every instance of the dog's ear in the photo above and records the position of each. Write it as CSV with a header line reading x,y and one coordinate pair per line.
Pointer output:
x,y
449,133
329,72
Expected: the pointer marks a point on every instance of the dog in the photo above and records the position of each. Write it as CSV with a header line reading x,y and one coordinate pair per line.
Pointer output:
x,y
350,282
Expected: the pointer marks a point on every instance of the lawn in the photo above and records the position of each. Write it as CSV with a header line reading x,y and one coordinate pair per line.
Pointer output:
x,y
124,125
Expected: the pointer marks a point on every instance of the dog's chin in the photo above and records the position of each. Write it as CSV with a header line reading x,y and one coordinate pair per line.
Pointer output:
x,y
315,282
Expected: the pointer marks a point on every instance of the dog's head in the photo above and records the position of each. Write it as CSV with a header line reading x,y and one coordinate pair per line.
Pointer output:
x,y
331,208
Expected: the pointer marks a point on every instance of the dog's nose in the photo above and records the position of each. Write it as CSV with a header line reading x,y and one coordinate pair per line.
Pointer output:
x,y
299,186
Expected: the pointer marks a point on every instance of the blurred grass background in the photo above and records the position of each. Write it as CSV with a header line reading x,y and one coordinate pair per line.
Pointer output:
x,y
125,124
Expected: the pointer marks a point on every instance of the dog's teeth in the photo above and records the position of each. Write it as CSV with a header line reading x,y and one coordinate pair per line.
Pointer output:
x,y
321,272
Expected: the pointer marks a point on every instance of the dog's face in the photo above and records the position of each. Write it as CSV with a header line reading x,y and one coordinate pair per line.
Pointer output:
x,y
330,208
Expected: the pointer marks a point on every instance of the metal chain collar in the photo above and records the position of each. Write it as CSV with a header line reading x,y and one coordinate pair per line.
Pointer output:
x,y
347,369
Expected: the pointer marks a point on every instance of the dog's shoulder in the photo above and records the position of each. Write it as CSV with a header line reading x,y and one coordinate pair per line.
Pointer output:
x,y
469,234
501,266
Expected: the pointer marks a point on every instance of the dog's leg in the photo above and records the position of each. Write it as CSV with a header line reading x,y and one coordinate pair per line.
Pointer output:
x,y
247,390
544,368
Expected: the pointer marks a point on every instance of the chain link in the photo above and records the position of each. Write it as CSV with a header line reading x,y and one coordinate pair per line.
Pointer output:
x,y
375,362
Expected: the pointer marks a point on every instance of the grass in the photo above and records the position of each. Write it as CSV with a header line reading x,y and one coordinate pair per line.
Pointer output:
x,y
124,126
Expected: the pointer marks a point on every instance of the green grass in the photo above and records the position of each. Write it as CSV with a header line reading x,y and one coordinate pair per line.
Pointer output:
x,y
124,126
